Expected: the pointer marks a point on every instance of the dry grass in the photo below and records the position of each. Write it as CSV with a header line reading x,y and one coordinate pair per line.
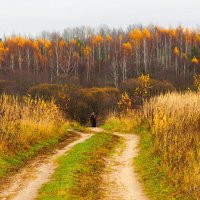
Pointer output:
x,y
24,122
123,123
175,123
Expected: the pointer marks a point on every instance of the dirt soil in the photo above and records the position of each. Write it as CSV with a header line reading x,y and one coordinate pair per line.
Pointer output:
x,y
119,178
26,183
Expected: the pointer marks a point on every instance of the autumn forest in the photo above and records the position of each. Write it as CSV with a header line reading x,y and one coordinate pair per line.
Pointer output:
x,y
105,57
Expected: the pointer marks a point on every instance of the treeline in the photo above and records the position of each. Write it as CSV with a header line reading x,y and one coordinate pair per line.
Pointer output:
x,y
105,57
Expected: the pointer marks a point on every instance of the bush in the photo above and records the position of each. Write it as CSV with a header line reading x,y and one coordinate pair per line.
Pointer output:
x,y
157,86
78,103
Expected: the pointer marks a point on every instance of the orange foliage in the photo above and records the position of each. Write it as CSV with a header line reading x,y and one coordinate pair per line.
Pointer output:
x,y
20,41
127,47
137,34
99,39
184,56
146,33
62,43
47,44
195,60
187,34
73,42
176,51
27,42
108,38
36,45
172,33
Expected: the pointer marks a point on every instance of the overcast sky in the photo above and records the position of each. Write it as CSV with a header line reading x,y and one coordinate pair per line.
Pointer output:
x,y
34,16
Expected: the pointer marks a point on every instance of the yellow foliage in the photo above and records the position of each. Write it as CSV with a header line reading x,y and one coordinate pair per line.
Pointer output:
x,y
47,44
36,45
145,85
99,39
3,51
176,51
197,37
108,38
172,33
20,41
62,43
2,45
125,103
73,42
146,33
87,51
28,42
184,56
197,82
137,34
127,47
195,60
187,34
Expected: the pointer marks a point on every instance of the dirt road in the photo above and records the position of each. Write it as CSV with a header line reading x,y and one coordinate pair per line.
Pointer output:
x,y
25,184
119,179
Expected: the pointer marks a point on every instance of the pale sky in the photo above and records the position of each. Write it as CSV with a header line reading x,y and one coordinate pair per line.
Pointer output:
x,y
34,16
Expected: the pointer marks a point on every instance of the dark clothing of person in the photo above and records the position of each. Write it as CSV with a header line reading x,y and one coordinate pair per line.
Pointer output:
x,y
93,120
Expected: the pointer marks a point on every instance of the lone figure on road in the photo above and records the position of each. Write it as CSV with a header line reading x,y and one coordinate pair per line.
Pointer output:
x,y
93,120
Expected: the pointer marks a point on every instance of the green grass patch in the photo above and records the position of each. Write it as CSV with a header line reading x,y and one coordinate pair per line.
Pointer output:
x,y
121,124
79,173
156,184
11,162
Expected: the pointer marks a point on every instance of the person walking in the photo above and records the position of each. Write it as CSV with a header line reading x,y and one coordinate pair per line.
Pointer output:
x,y
93,119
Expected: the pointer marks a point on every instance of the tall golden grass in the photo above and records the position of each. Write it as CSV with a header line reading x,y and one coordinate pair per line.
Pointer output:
x,y
25,121
174,119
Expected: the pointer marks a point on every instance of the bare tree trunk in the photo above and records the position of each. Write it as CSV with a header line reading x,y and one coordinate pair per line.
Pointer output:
x,y
144,53
12,62
115,73
57,63
28,60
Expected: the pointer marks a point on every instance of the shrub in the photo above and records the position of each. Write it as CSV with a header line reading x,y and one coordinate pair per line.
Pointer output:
x,y
156,88
78,103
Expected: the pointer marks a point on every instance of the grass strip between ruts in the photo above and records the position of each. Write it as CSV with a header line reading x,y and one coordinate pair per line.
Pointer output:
x,y
78,175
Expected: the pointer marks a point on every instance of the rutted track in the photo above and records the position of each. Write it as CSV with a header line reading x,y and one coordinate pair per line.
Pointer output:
x,y
25,184
119,179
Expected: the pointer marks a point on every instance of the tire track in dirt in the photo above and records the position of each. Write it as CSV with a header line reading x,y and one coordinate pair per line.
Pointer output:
x,y
119,178
26,183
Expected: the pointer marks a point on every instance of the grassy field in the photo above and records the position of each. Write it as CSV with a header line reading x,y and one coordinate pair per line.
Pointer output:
x,y
78,174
